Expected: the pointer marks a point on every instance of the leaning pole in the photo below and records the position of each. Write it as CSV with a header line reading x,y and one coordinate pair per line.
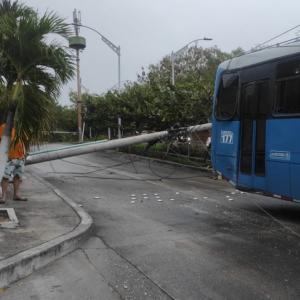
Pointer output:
x,y
79,149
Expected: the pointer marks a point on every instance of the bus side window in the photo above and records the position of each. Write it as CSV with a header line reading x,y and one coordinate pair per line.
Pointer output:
x,y
227,97
288,88
288,96
264,105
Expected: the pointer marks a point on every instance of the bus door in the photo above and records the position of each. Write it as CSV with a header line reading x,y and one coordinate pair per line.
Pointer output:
x,y
253,114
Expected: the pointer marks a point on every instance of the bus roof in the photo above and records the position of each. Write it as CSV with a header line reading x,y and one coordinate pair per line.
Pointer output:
x,y
260,56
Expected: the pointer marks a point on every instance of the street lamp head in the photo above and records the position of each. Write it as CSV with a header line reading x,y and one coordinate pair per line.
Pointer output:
x,y
207,39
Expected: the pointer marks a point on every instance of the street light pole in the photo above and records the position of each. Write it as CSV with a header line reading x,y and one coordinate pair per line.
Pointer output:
x,y
78,43
119,68
173,71
79,100
113,47
174,54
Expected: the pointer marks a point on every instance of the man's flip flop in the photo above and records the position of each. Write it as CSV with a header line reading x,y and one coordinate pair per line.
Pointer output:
x,y
20,199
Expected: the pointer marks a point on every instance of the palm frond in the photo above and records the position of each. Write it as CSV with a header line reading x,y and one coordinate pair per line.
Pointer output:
x,y
33,118
14,9
50,22
32,67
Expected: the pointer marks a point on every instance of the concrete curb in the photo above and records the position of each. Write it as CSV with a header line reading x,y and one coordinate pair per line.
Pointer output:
x,y
24,263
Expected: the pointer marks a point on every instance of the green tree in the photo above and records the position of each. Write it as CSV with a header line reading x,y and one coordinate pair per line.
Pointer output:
x,y
153,103
65,118
32,69
189,101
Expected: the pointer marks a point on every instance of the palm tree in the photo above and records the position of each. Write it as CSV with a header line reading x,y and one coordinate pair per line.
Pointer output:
x,y
32,69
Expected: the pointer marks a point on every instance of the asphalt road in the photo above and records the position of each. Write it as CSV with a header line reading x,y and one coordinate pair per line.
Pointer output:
x,y
166,232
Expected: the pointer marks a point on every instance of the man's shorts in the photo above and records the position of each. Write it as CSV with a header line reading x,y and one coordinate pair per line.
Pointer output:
x,y
14,167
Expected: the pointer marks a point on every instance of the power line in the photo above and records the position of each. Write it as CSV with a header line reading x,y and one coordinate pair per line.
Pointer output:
x,y
86,174
275,37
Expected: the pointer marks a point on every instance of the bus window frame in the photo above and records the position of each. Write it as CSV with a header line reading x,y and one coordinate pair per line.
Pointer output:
x,y
236,108
276,98
267,80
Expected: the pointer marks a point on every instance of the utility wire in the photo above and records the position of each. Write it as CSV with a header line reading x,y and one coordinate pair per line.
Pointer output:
x,y
285,43
93,171
155,173
139,179
159,176
276,220
277,36
132,162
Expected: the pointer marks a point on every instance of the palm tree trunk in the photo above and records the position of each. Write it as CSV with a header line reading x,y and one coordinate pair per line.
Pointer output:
x,y
5,141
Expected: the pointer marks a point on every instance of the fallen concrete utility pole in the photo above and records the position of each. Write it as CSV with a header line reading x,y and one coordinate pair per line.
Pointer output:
x,y
79,149
197,128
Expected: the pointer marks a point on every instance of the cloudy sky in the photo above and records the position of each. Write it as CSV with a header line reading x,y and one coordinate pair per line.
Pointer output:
x,y
147,30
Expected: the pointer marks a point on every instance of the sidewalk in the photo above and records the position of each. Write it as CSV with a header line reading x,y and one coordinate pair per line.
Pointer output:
x,y
50,226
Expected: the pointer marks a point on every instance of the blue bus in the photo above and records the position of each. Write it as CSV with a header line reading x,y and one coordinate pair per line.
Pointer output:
x,y
256,121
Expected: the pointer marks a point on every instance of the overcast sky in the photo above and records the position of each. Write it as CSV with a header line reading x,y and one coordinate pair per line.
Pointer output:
x,y
147,30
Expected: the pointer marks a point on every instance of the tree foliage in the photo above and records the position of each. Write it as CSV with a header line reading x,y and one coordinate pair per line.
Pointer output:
x,y
32,67
152,102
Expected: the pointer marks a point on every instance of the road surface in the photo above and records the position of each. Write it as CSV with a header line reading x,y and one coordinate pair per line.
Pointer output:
x,y
166,232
